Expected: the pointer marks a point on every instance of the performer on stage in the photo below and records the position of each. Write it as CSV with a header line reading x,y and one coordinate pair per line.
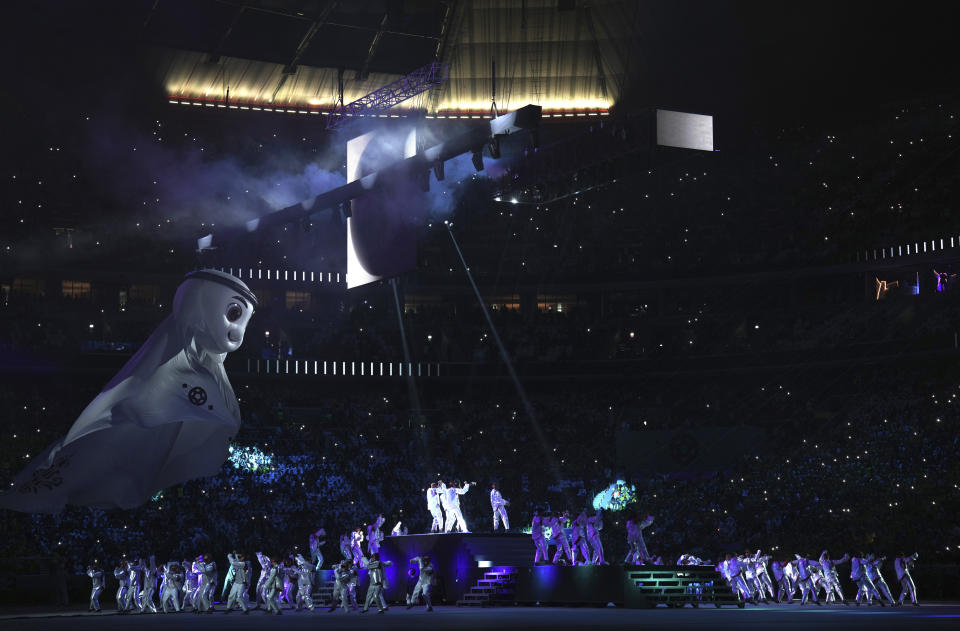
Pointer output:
x,y
345,545
170,586
594,526
559,537
638,553
305,575
452,508
902,565
133,591
208,583
873,571
272,586
433,505
830,579
241,582
191,578
499,506
865,586
123,579
289,570
804,579
149,586
375,535
579,538
536,533
356,539
377,580
95,572
262,581
425,583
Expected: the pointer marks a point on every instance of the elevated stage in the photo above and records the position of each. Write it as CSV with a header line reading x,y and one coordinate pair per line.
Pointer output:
x,y
481,569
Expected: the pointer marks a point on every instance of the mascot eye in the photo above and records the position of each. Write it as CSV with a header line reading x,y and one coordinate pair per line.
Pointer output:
x,y
234,312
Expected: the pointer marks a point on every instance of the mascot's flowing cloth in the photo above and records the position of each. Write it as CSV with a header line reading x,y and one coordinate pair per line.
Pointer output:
x,y
168,416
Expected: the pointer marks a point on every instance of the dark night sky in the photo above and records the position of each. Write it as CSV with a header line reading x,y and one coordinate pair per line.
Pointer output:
x,y
754,64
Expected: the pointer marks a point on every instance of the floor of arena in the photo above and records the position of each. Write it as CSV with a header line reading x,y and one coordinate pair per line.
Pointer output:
x,y
780,617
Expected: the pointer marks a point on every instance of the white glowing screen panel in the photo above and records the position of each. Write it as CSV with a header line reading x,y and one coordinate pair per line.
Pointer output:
x,y
687,131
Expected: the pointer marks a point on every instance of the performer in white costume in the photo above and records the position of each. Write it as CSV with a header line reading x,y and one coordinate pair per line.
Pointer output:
x,y
173,395
170,586
378,581
425,583
305,576
149,586
452,507
375,535
123,584
433,505
241,582
536,533
499,506
95,572
902,565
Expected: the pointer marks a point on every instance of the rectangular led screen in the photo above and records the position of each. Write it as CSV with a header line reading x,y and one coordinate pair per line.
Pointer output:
x,y
687,131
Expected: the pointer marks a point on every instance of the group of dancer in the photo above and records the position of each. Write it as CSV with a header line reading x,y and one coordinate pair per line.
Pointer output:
x,y
582,546
758,577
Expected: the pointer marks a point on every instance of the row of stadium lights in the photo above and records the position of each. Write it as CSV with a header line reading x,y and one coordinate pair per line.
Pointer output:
x,y
899,249
341,368
260,108
275,274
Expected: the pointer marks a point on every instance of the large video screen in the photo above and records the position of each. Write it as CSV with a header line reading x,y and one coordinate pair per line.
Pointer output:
x,y
381,231
687,131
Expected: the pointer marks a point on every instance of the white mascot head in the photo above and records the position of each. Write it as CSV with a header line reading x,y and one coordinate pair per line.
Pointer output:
x,y
167,417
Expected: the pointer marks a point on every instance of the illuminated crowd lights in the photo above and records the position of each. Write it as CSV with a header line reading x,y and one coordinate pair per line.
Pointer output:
x,y
250,459
615,497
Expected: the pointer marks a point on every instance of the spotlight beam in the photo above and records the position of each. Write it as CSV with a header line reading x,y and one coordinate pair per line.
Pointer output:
x,y
526,118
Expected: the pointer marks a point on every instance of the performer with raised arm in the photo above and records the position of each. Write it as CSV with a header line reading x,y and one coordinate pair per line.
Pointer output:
x,y
830,579
804,579
377,580
316,541
425,583
262,581
170,586
452,508
433,506
132,601
305,575
272,586
356,540
190,584
241,582
873,571
95,572
208,583
499,506
902,565
865,586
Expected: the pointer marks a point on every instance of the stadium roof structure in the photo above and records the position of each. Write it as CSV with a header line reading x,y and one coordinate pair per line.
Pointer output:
x,y
571,57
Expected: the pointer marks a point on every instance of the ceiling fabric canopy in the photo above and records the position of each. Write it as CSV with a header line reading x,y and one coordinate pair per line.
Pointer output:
x,y
567,56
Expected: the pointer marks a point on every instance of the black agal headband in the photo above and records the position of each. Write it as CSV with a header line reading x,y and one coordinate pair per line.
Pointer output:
x,y
225,280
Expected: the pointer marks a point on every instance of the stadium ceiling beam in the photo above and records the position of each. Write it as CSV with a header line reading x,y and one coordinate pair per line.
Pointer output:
x,y
364,71
443,48
597,55
299,15
215,52
291,68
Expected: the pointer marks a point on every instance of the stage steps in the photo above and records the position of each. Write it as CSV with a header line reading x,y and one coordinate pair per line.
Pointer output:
x,y
649,586
504,550
495,588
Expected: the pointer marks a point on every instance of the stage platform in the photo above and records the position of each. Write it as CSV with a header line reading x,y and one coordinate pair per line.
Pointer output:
x,y
765,617
483,569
